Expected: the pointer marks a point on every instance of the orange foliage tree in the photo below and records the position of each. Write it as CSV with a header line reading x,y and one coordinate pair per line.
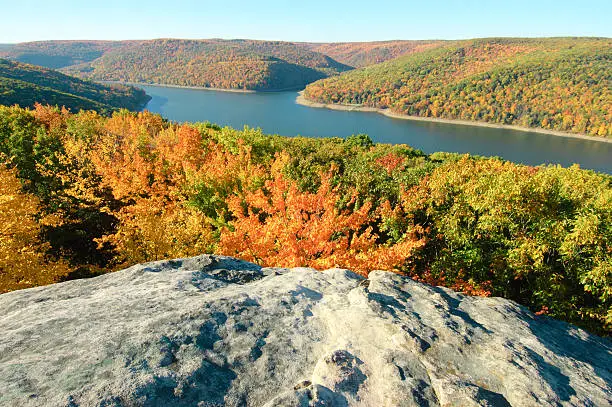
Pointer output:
x,y
146,164
280,225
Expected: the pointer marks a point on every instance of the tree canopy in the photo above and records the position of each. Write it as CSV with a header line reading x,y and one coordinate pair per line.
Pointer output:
x,y
85,194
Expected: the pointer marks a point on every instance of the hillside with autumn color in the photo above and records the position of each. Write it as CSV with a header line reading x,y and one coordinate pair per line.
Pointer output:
x,y
26,85
83,194
214,63
360,54
228,64
234,64
557,84
326,56
56,54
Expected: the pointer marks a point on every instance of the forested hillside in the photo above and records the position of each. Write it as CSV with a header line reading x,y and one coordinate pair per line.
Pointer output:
x,y
57,54
26,85
237,64
228,64
330,57
82,194
558,84
360,54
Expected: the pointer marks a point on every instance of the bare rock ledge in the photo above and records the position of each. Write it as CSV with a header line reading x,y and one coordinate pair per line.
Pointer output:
x,y
215,331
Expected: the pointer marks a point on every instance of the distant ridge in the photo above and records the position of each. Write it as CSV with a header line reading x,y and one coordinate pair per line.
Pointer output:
x,y
56,54
360,54
227,64
258,65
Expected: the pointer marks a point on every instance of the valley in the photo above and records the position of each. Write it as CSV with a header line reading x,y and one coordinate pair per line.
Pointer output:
x,y
322,203
560,85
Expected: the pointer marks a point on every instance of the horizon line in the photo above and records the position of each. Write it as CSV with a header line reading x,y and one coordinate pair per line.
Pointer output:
x,y
305,42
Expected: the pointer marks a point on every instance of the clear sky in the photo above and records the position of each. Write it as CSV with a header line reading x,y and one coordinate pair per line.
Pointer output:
x,y
301,20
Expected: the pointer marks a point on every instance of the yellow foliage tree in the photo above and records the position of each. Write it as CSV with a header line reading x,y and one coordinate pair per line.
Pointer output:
x,y
151,230
22,255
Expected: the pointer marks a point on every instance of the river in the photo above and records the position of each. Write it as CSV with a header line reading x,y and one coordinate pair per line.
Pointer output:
x,y
278,113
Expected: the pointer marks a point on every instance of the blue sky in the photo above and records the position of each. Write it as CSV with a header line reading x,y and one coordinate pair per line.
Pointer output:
x,y
301,20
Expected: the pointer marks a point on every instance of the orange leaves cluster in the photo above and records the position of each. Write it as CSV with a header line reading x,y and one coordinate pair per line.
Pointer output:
x,y
154,169
147,164
125,156
391,162
282,226
53,119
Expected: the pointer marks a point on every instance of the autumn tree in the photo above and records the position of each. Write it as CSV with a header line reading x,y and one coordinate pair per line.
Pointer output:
x,y
23,260
540,236
279,225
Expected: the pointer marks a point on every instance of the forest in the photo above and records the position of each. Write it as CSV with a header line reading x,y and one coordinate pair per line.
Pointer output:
x,y
83,194
360,54
560,84
228,64
233,64
25,85
557,84
61,54
330,57
56,54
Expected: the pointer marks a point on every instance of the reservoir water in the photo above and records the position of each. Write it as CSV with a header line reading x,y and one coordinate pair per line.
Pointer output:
x,y
278,113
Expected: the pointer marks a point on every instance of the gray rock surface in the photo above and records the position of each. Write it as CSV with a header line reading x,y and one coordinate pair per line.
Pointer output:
x,y
212,331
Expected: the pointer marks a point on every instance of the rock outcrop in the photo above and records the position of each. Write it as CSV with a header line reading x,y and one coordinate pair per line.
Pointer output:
x,y
213,331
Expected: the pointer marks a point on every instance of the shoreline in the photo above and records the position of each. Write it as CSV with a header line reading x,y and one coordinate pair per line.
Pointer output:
x,y
301,100
202,87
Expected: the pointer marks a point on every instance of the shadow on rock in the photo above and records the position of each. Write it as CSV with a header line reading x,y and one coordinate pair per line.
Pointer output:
x,y
565,340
